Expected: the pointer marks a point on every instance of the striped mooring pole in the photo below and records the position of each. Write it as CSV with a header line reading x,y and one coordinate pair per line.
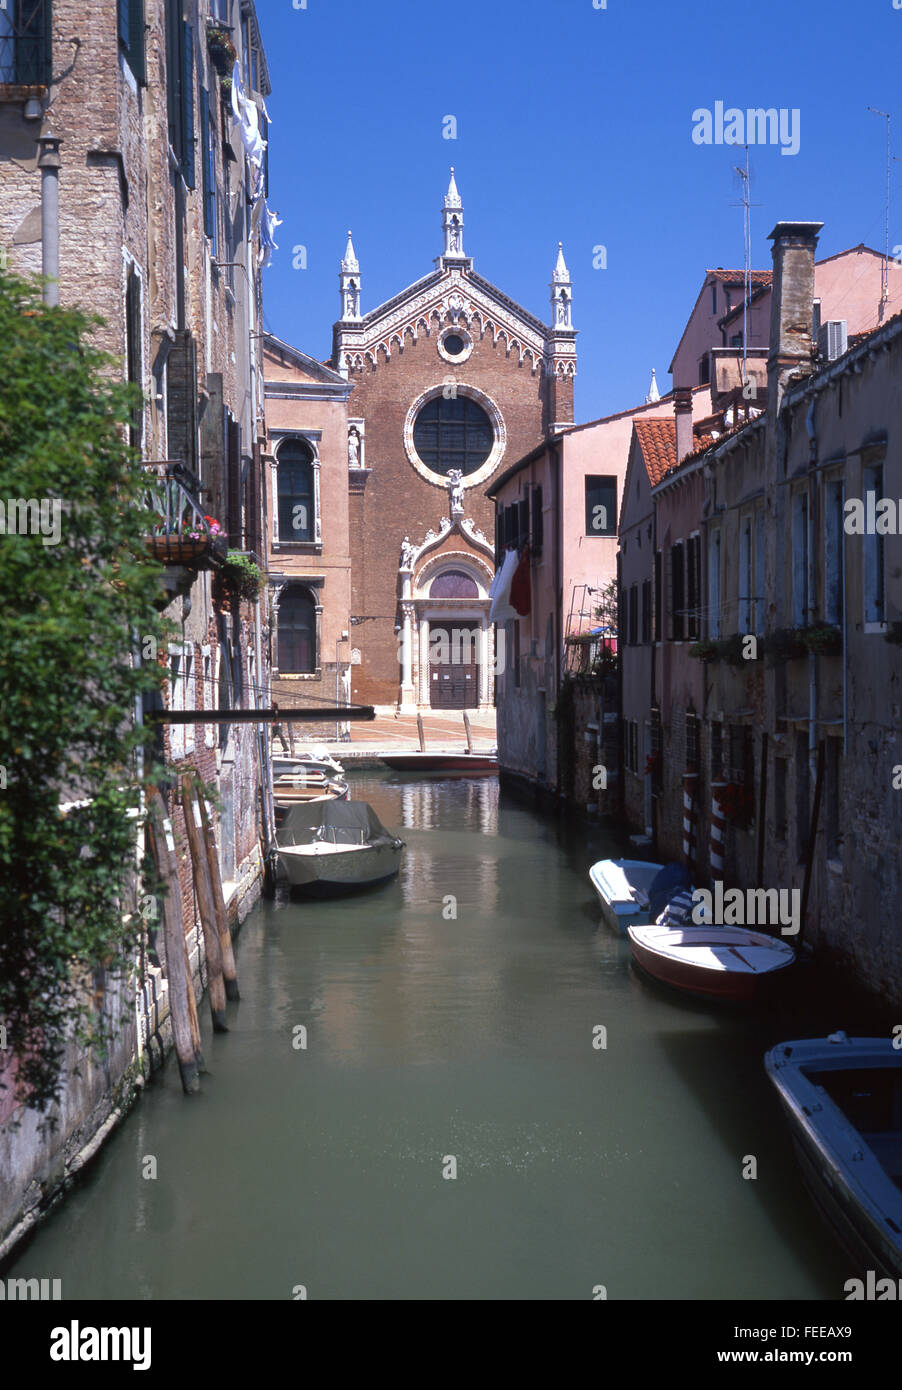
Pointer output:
x,y
690,784
718,823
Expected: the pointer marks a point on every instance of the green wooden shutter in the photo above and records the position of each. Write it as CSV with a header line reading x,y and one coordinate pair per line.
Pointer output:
x,y
187,102
206,171
136,58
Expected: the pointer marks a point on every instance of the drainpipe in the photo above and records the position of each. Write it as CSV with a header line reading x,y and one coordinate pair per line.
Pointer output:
x,y
49,165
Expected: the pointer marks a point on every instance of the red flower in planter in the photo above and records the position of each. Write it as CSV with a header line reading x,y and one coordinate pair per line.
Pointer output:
x,y
652,764
736,802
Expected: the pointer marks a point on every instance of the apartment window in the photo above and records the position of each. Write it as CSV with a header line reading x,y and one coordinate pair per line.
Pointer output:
x,y
677,592
181,698
209,697
704,371
692,743
758,605
631,745
250,57
180,88
714,583
802,794
693,585
833,797
716,751
537,521
714,298
815,319
780,817
659,597
745,575
133,348
656,751
208,169
131,36
296,491
25,47
800,559
633,618
297,632
874,556
742,755
833,552
601,505
646,611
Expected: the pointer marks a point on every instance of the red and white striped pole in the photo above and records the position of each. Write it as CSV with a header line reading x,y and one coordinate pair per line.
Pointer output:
x,y
690,782
718,824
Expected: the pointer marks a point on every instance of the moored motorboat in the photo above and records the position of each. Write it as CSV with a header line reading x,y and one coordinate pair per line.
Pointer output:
x,y
303,787
627,889
459,764
843,1099
710,961
331,846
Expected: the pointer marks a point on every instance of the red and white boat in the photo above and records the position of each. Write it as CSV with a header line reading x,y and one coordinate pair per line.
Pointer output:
x,y
714,962
462,764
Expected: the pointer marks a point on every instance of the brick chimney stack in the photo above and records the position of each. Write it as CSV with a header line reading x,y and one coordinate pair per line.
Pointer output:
x,y
682,410
792,305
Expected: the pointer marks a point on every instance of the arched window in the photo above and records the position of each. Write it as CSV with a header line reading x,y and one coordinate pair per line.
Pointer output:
x,y
453,584
296,496
297,632
453,433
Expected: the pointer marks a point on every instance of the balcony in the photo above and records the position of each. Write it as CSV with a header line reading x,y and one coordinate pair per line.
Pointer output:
x,y
182,538
25,49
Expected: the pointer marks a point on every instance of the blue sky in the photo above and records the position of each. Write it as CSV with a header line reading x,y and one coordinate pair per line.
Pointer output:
x,y
573,124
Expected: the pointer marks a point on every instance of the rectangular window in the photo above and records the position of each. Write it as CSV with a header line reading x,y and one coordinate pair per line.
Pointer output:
x,y
780,820
714,583
874,554
800,559
633,631
499,536
538,521
659,595
833,552
742,755
745,575
693,584
522,522
646,611
131,36
25,43
677,592
133,346
758,606
704,371
601,505
180,88
716,751
208,156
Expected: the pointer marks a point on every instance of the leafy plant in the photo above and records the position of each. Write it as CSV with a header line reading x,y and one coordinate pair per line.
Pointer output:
x,y
240,576
705,650
784,644
822,640
73,605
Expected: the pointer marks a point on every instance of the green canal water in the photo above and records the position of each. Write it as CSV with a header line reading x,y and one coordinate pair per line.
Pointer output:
x,y
431,1039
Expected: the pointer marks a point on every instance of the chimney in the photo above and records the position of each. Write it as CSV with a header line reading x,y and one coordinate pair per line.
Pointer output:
x,y
682,409
791,306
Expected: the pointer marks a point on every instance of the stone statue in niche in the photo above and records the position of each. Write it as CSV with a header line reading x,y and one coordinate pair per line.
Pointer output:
x,y
562,310
353,449
456,489
455,238
407,552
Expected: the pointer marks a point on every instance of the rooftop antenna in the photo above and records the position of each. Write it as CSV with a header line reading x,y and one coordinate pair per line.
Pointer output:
x,y
884,283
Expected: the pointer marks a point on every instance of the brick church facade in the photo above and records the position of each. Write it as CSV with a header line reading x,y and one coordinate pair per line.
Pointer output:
x,y
450,381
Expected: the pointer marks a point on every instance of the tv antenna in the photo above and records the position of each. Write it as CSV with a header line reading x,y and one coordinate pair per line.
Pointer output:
x,y
745,202
884,283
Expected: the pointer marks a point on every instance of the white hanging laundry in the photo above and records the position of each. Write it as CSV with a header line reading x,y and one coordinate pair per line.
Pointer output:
x,y
501,610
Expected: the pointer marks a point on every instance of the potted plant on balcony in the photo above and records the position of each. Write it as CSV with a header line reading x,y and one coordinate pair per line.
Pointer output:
x,y
237,577
706,650
785,644
822,640
223,54
183,547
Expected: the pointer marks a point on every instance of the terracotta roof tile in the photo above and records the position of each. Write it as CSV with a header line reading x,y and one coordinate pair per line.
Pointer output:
x,y
737,277
657,440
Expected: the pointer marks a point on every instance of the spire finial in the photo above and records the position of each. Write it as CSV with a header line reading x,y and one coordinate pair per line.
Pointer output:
x,y
349,262
653,393
561,274
452,197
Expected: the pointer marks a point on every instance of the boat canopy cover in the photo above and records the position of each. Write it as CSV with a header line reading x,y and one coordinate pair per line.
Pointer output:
x,y
307,822
671,880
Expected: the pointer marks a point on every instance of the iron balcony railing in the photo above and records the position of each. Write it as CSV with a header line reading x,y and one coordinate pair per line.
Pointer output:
x,y
25,50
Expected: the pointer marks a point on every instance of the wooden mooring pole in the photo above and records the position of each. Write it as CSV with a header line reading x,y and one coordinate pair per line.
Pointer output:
x,y
468,733
162,849
204,888
422,736
229,972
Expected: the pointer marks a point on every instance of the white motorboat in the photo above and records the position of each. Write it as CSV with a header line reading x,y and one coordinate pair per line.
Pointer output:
x,y
843,1099
625,889
336,846
316,759
711,962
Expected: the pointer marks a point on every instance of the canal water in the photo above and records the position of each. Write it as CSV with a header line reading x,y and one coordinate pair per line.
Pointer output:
x,y
452,1019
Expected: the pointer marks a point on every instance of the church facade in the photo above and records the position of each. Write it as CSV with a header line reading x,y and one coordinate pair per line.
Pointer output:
x,y
451,382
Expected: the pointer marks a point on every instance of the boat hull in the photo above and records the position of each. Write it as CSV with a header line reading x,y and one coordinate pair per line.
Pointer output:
x,y
716,963
443,764
319,869
857,1198
608,878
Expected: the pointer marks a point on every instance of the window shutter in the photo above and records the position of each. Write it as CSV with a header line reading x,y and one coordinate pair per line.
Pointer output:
x,y
522,522
537,521
124,17
187,104
181,394
233,483
499,535
134,43
207,172
173,75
